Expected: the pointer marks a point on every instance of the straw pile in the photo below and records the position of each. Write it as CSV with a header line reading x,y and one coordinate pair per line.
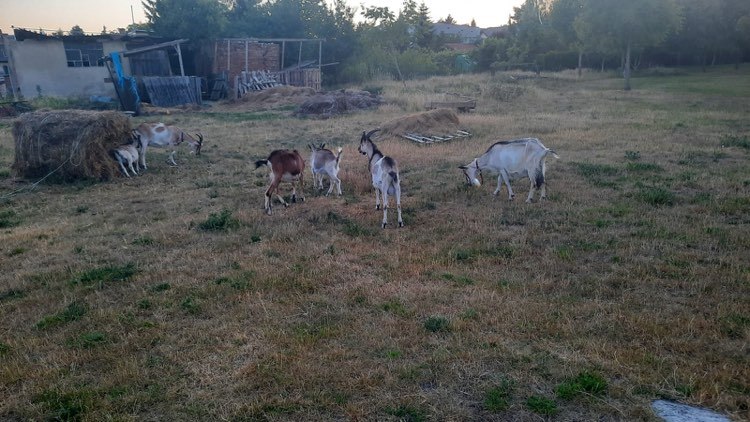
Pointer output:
x,y
73,144
434,122
336,103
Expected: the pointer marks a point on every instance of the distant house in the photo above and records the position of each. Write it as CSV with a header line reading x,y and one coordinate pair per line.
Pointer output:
x,y
5,89
464,34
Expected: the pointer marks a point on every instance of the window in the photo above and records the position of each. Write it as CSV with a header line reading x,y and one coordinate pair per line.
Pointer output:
x,y
83,54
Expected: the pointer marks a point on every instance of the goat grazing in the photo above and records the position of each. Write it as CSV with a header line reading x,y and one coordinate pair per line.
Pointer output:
x,y
286,166
161,135
128,155
323,162
512,160
385,178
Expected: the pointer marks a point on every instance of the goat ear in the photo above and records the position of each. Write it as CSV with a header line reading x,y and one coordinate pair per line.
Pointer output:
x,y
322,145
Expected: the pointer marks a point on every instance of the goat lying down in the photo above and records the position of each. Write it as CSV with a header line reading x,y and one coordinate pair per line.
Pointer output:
x,y
385,177
127,155
323,162
161,135
286,166
511,160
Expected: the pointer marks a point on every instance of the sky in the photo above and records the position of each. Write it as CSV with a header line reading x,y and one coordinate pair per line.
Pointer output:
x,y
92,15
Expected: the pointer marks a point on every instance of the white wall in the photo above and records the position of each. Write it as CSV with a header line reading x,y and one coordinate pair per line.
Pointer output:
x,y
43,63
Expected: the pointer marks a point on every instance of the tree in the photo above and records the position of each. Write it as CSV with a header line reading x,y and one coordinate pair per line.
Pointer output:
x,y
561,18
473,23
448,19
193,19
627,25
76,30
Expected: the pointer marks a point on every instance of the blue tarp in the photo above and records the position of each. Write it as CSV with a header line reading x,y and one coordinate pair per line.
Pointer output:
x,y
121,77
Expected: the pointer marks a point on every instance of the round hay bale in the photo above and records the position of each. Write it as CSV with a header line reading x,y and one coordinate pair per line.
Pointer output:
x,y
434,122
71,143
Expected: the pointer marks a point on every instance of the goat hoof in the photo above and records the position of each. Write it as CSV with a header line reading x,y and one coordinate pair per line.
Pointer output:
x,y
401,224
377,207
384,224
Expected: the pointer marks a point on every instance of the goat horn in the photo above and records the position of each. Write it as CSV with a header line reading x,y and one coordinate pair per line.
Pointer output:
x,y
371,132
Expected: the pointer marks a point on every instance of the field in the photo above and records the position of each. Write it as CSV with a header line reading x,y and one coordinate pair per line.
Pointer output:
x,y
172,296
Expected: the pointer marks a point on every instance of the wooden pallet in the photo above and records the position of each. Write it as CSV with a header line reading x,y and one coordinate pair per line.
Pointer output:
x,y
431,139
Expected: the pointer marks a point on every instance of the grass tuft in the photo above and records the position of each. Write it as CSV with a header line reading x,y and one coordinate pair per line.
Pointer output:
x,y
584,382
73,312
496,399
437,324
106,274
219,222
541,405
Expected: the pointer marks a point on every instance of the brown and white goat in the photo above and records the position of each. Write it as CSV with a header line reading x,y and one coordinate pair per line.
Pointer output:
x,y
323,162
512,159
385,177
127,155
286,166
161,135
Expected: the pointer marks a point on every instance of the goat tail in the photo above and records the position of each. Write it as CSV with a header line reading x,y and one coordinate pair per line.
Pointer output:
x,y
394,176
260,163
552,151
339,151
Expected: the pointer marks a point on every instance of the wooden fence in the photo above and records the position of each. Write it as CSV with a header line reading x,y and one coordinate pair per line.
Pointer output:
x,y
173,90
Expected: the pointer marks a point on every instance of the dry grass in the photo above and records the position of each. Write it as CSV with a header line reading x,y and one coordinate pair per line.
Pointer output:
x,y
116,304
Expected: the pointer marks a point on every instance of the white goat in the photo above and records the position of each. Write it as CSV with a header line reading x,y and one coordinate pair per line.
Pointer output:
x,y
286,166
128,155
385,178
323,163
512,160
161,135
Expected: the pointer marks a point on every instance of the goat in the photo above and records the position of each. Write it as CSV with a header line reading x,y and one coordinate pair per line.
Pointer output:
x,y
161,135
385,178
286,166
324,163
512,159
128,155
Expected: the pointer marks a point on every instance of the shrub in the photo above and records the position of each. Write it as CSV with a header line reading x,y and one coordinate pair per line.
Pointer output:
x,y
437,324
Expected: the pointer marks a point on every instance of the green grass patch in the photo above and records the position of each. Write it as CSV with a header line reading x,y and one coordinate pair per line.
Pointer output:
x,y
733,206
8,219
407,413
191,305
541,405
437,324
219,222
643,167
239,282
73,312
497,398
88,340
106,274
735,326
584,382
395,307
143,241
11,294
161,287
735,141
461,280
4,349
656,196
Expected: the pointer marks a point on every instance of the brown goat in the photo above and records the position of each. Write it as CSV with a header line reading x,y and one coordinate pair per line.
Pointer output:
x,y
286,166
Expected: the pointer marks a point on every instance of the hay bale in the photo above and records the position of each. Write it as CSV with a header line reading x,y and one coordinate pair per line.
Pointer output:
x,y
73,144
434,122
335,103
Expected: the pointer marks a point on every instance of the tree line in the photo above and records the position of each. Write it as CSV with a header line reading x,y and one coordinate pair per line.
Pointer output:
x,y
541,34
